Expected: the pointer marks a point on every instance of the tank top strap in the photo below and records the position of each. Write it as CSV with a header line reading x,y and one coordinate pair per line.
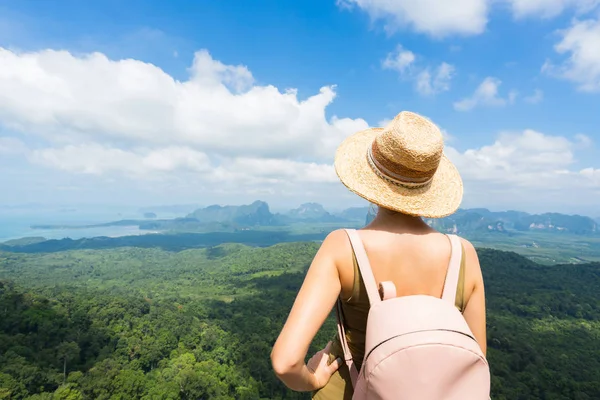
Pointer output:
x,y
356,286
460,288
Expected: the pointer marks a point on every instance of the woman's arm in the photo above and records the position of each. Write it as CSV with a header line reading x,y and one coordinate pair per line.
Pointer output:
x,y
314,302
475,310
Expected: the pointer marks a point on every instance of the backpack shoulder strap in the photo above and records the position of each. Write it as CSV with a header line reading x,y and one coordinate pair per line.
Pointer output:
x,y
364,266
452,275
344,343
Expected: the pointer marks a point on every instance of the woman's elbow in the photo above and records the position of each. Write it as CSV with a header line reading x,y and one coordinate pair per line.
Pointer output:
x,y
281,364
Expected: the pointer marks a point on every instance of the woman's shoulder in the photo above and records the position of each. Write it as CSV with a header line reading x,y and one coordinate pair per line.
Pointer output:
x,y
336,237
473,272
470,251
336,243
467,245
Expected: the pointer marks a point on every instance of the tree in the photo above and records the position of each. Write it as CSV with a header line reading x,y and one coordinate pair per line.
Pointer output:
x,y
67,351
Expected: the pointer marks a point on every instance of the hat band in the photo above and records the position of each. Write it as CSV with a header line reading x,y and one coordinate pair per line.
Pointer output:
x,y
392,177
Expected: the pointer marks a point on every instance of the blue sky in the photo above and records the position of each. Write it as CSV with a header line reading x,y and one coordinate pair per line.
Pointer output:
x,y
113,128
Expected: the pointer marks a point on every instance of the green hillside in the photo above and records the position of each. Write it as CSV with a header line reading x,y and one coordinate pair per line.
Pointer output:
x,y
135,323
542,247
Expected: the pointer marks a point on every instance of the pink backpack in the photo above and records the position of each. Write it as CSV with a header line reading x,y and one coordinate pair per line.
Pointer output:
x,y
417,347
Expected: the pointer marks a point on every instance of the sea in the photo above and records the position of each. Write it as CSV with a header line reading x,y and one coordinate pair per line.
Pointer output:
x,y
16,222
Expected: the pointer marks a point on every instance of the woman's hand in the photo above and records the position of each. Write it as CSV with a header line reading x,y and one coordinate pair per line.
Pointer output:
x,y
320,371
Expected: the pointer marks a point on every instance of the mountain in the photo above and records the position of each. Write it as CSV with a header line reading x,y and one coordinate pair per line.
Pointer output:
x,y
231,218
371,214
558,222
23,241
354,213
484,220
255,214
216,218
313,212
170,209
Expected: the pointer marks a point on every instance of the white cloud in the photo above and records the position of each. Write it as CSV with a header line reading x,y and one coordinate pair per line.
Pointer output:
x,y
582,43
458,17
592,175
73,100
433,17
252,171
96,159
399,60
427,83
516,158
535,98
526,167
583,141
486,94
93,115
11,146
440,81
550,8
131,124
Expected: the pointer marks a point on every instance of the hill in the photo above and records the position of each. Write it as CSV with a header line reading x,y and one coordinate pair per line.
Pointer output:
x,y
25,241
354,213
179,209
257,213
170,242
146,323
483,220
216,218
313,212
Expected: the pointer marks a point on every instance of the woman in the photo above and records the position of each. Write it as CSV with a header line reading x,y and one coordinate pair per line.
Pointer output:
x,y
401,169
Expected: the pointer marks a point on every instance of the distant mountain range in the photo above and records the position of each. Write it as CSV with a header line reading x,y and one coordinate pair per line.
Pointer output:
x,y
255,214
314,212
481,219
217,218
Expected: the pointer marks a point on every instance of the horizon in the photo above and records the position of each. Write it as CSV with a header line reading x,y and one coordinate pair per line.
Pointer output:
x,y
175,102
276,209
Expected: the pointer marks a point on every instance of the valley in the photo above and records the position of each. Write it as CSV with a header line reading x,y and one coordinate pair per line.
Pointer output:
x,y
150,323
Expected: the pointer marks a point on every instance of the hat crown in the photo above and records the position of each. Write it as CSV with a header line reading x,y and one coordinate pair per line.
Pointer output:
x,y
411,140
408,149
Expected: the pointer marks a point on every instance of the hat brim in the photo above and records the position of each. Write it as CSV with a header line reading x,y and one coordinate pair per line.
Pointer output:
x,y
439,198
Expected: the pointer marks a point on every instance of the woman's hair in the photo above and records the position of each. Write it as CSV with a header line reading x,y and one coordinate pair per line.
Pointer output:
x,y
371,213
373,208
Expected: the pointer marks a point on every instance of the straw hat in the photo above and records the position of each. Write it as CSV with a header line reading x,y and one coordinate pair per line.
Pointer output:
x,y
401,167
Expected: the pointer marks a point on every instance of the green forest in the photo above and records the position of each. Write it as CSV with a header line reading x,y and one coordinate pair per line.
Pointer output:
x,y
149,323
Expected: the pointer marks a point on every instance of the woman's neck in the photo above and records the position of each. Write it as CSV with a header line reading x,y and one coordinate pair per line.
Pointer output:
x,y
392,219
